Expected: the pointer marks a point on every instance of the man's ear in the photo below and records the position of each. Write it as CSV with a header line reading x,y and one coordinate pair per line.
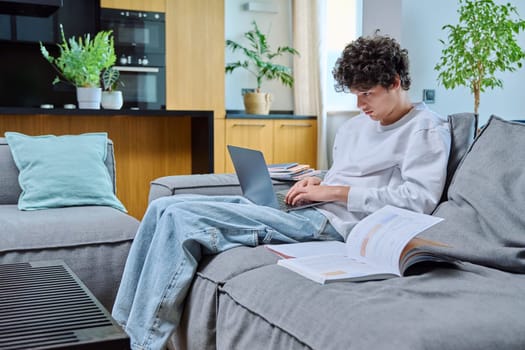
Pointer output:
x,y
397,83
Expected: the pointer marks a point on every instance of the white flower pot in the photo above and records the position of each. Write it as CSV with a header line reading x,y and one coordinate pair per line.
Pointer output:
x,y
112,99
89,98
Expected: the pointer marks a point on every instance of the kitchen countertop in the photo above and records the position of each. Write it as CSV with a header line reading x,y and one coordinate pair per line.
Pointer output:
x,y
239,114
102,112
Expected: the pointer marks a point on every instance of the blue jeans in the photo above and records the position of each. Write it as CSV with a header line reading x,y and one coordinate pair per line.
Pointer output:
x,y
173,236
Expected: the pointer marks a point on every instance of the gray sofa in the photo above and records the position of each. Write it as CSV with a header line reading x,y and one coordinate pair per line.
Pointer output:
x,y
240,299
92,240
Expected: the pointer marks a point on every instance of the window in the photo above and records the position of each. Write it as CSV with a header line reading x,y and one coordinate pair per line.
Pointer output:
x,y
343,26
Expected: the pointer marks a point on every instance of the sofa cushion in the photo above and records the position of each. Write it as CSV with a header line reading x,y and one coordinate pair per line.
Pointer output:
x,y
9,187
274,308
197,327
62,227
483,215
222,267
58,171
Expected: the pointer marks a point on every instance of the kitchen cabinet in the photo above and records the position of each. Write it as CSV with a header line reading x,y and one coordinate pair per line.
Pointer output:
x,y
195,62
249,133
136,5
35,29
295,141
5,27
78,17
280,140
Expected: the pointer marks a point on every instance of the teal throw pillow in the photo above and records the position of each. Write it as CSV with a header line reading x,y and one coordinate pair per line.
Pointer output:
x,y
62,171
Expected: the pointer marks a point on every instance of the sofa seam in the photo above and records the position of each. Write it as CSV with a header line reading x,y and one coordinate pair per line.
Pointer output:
x,y
223,291
173,189
13,250
223,282
190,187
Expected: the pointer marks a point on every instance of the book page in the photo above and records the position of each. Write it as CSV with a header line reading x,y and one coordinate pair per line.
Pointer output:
x,y
381,237
329,268
281,166
299,250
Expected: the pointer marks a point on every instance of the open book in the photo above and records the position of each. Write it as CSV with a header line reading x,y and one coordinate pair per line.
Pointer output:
x,y
382,245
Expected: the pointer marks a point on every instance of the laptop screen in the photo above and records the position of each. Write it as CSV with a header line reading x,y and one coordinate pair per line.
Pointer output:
x,y
253,175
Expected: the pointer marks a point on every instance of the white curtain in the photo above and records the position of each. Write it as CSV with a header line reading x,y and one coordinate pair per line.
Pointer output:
x,y
309,19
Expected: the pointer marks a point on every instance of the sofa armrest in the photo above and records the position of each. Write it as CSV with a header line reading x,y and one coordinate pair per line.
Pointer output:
x,y
207,184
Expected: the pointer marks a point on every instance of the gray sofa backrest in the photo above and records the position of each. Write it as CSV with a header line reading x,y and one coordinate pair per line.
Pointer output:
x,y
463,129
10,189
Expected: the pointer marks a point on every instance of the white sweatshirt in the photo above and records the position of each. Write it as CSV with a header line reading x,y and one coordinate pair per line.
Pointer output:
x,y
403,164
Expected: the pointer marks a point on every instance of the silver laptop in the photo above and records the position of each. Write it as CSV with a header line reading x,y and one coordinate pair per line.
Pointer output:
x,y
255,180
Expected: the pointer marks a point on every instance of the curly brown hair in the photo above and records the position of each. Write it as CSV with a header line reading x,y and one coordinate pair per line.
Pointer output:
x,y
371,61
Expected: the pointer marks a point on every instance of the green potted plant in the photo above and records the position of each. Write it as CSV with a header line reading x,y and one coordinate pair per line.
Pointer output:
x,y
260,61
483,43
81,61
111,97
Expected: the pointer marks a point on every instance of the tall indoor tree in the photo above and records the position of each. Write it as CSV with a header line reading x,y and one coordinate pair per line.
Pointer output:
x,y
483,43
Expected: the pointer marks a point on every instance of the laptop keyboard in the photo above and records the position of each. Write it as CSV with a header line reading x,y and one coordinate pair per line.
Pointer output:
x,y
282,203
280,195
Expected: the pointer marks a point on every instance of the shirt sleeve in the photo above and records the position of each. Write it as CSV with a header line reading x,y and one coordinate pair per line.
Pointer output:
x,y
422,172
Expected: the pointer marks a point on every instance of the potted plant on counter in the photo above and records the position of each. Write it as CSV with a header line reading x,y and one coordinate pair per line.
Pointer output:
x,y
260,61
111,98
81,61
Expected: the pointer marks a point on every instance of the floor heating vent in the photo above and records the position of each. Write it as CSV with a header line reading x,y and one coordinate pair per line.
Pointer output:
x,y
45,306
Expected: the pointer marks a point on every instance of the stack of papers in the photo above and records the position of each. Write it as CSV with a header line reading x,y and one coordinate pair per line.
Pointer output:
x,y
291,171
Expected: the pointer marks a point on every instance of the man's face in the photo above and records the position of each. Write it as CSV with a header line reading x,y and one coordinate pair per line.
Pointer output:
x,y
378,102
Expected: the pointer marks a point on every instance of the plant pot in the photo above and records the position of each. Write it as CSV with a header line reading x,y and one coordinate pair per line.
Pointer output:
x,y
257,102
111,100
89,98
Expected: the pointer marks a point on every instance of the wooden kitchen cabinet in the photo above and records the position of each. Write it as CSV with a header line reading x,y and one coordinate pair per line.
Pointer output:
x,y
280,140
135,5
249,133
195,62
295,141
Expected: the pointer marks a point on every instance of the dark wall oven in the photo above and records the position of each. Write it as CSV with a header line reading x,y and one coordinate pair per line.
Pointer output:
x,y
141,55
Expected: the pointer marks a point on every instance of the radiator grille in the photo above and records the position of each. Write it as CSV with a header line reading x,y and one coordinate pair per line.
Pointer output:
x,y
45,306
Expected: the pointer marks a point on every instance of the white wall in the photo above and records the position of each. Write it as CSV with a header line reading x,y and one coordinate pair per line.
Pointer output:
x,y
278,27
384,15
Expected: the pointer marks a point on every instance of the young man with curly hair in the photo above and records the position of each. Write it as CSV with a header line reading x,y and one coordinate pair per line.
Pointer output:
x,y
394,152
